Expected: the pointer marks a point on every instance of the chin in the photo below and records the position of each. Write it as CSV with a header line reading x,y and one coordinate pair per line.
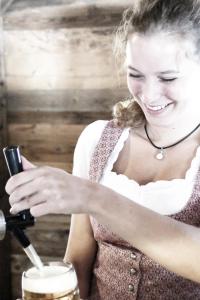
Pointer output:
x,y
160,122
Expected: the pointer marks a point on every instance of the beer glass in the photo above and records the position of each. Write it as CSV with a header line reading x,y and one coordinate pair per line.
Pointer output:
x,y
56,280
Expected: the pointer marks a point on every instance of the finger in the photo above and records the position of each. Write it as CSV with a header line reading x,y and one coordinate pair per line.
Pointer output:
x,y
27,203
25,190
41,209
27,165
24,177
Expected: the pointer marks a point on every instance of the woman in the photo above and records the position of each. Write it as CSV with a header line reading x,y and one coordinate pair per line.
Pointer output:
x,y
136,234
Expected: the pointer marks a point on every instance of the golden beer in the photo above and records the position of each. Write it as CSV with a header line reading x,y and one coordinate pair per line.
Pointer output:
x,y
62,296
54,281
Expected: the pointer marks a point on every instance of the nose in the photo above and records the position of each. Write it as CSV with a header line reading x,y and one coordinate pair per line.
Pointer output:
x,y
150,92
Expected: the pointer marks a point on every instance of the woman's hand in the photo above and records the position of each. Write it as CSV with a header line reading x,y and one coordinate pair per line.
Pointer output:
x,y
46,190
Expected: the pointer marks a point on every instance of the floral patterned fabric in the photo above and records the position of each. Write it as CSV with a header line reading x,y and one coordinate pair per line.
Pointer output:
x,y
120,270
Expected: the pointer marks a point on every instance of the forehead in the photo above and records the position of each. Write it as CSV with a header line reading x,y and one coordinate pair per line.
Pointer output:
x,y
162,51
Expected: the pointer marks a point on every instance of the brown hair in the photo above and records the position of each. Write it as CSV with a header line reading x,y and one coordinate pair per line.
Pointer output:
x,y
180,17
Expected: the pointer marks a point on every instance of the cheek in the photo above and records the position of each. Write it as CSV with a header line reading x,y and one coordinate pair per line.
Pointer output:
x,y
133,86
172,92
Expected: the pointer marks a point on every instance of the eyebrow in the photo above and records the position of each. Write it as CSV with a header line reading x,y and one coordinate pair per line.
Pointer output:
x,y
163,72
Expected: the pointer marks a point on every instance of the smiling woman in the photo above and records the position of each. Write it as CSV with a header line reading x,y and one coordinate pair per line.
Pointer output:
x,y
162,87
142,62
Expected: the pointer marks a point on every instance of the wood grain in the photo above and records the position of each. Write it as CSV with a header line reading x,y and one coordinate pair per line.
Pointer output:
x,y
5,250
53,117
64,14
76,58
66,100
45,142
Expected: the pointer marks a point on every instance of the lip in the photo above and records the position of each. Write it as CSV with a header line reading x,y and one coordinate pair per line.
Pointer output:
x,y
159,111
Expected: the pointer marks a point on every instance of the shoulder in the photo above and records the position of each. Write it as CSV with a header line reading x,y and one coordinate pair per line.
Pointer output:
x,y
94,129
85,146
92,133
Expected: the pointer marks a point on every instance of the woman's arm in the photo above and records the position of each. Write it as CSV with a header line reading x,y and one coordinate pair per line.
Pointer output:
x,y
81,251
173,244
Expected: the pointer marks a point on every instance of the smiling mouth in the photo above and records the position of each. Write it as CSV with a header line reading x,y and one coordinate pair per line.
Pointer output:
x,y
157,107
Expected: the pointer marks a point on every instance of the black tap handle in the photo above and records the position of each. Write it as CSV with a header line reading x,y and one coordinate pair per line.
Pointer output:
x,y
14,163
23,219
21,236
13,159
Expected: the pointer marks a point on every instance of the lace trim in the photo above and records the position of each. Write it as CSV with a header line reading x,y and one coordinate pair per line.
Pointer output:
x,y
189,175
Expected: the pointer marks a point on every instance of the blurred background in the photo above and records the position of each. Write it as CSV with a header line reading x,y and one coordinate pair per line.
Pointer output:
x,y
57,74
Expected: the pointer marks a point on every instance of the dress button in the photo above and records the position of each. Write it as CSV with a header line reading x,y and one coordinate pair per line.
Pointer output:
x,y
131,288
133,256
133,271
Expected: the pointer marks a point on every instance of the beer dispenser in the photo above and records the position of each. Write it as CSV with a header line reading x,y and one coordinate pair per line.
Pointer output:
x,y
19,222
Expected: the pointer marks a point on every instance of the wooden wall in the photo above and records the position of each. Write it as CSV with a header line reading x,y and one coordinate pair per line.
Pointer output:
x,y
60,76
5,250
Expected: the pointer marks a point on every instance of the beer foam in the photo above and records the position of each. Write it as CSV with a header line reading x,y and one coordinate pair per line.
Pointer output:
x,y
50,279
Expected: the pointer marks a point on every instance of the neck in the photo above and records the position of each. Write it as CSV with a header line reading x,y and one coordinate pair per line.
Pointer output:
x,y
165,135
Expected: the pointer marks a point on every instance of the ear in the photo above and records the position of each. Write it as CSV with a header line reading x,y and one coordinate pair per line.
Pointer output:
x,y
27,164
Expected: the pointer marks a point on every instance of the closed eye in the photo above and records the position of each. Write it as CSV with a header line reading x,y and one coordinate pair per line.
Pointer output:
x,y
168,79
160,78
135,76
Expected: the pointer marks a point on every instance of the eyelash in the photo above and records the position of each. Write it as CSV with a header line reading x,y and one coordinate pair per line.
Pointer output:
x,y
161,79
134,76
168,79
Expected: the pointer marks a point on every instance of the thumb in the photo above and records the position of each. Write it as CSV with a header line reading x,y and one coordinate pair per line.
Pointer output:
x,y
27,165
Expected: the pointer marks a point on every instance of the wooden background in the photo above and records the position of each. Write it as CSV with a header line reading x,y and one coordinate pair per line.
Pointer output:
x,y
59,74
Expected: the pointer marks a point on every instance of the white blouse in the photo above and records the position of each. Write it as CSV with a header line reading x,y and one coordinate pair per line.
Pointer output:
x,y
164,196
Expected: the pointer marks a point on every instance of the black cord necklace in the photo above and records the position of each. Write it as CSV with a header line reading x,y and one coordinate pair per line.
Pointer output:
x,y
160,155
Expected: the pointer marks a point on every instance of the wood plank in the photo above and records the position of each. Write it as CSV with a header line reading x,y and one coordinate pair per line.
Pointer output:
x,y
5,274
111,80
3,137
58,42
46,242
45,222
5,287
59,60
41,53
70,117
5,5
67,64
45,142
26,4
37,136
66,100
66,166
21,263
37,14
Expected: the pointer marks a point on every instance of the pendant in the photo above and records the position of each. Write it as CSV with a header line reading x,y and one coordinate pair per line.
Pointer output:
x,y
160,155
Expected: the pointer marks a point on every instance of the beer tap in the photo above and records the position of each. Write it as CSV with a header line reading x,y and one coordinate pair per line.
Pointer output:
x,y
19,222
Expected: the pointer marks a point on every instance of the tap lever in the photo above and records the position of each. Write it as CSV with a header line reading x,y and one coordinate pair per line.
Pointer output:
x,y
13,159
17,223
14,163
22,220
21,236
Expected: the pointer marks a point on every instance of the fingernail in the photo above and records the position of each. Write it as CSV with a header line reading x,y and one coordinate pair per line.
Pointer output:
x,y
12,211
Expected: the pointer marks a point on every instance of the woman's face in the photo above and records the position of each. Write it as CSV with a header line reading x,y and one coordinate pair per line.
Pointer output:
x,y
164,76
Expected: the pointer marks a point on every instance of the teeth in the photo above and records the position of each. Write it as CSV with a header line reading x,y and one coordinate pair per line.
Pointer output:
x,y
159,107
